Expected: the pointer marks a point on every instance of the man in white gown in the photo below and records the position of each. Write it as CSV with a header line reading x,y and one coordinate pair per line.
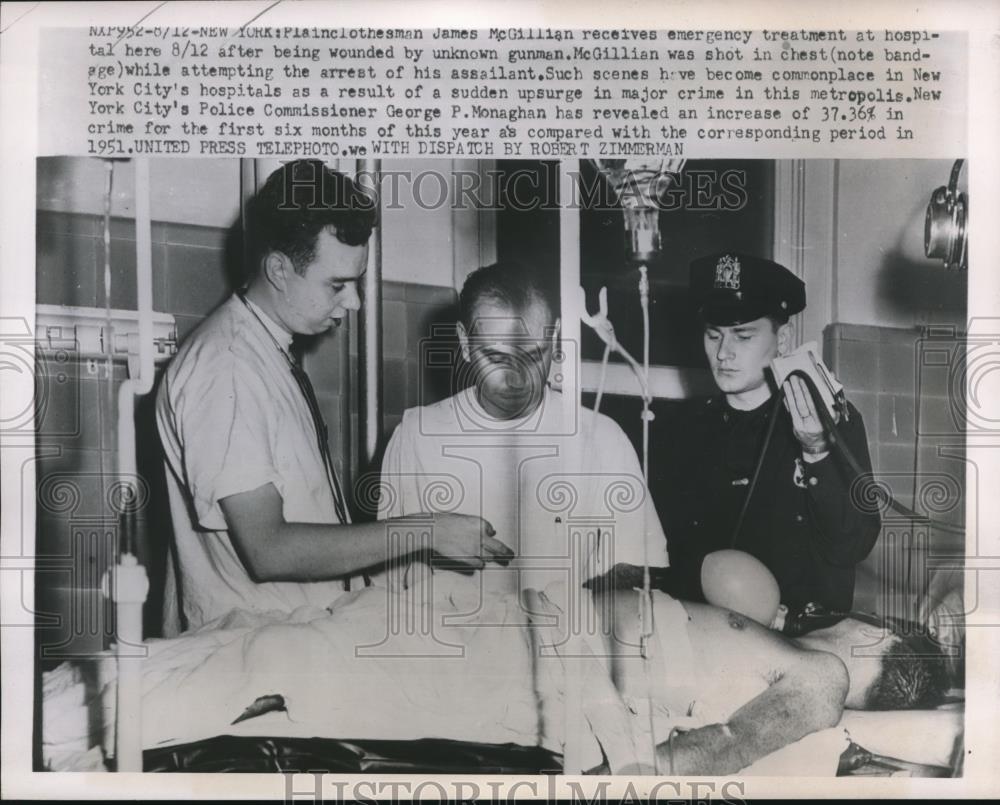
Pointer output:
x,y
561,483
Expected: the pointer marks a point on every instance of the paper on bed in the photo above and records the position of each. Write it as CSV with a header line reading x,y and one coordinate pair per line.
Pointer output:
x,y
917,736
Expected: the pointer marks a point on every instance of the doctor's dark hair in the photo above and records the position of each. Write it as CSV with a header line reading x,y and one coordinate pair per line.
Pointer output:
x,y
913,676
511,284
296,203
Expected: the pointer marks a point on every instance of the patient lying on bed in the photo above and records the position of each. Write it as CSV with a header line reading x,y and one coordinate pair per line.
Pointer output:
x,y
756,691
444,659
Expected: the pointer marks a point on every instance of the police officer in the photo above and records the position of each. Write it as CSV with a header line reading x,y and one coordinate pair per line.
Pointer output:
x,y
800,520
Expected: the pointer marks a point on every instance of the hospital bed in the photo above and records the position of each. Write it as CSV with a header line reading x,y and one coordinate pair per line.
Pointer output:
x,y
201,686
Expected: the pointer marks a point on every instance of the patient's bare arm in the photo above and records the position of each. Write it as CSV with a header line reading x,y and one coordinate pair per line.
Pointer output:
x,y
805,693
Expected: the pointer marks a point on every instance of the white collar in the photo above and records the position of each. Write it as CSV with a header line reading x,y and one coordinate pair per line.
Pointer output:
x,y
278,333
478,415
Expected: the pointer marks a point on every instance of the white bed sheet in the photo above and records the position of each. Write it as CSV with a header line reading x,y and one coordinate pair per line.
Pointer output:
x,y
468,681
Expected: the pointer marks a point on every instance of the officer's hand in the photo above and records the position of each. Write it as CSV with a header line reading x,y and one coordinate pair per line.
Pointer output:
x,y
464,542
806,424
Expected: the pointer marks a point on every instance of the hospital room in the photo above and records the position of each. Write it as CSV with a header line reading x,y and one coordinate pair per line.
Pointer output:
x,y
651,416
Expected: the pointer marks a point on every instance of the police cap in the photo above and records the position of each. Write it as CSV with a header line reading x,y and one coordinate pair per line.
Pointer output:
x,y
733,288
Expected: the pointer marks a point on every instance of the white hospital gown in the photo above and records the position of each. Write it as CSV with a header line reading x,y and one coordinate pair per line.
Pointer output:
x,y
232,418
564,492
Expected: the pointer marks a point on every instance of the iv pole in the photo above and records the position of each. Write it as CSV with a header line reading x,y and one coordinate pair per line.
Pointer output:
x,y
127,583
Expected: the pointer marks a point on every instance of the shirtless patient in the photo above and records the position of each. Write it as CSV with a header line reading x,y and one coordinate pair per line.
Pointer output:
x,y
775,690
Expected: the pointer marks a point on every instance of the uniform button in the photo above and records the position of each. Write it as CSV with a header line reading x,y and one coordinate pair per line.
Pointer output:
x,y
799,518
813,481
725,417
694,522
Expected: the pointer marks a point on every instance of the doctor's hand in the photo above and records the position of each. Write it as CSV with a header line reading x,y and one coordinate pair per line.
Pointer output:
x,y
464,542
806,424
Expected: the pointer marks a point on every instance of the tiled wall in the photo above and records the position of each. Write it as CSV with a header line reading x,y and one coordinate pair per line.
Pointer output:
x,y
193,271
901,380
190,272
416,318
76,443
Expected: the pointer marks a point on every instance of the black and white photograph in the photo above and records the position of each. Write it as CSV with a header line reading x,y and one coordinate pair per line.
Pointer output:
x,y
461,456
352,452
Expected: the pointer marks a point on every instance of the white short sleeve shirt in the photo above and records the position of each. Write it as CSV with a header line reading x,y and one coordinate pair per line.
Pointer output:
x,y
566,496
231,419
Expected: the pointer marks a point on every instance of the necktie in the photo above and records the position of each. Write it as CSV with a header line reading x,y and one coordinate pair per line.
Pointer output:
x,y
322,439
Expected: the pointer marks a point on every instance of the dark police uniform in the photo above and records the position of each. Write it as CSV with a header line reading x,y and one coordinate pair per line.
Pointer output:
x,y
801,522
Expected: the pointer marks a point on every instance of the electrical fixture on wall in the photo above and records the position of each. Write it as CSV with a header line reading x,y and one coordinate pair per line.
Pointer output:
x,y
83,332
946,233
